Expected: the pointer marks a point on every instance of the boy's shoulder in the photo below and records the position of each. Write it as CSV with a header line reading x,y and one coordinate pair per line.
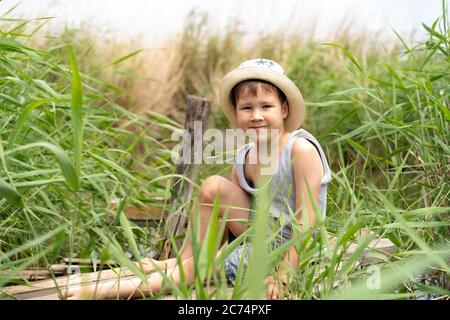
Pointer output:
x,y
306,151
303,146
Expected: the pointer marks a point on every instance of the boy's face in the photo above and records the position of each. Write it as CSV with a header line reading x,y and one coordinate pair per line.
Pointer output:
x,y
262,113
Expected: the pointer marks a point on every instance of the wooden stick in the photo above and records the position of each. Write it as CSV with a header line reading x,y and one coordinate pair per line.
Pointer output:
x,y
198,112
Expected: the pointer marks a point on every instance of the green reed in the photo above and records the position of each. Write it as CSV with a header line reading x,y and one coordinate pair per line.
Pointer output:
x,y
381,118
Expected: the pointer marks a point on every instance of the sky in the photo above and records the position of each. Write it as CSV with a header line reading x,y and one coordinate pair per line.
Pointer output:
x,y
155,20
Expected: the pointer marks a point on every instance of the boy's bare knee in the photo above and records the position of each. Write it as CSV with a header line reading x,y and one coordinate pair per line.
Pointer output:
x,y
210,187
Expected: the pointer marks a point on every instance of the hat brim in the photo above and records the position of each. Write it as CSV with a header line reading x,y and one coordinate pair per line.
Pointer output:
x,y
296,105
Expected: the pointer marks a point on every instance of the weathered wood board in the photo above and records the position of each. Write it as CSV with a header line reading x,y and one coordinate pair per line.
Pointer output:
x,y
48,289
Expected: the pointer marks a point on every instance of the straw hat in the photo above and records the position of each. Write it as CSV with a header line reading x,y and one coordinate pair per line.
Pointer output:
x,y
268,70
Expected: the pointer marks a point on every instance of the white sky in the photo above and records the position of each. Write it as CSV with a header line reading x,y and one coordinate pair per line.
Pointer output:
x,y
156,20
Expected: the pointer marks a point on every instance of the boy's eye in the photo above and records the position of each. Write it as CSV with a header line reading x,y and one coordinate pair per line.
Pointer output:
x,y
245,108
267,106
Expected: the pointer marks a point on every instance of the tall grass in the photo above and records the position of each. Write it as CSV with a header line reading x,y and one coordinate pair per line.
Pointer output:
x,y
65,154
381,116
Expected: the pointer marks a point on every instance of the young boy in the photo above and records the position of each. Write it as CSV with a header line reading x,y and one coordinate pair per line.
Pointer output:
x,y
257,97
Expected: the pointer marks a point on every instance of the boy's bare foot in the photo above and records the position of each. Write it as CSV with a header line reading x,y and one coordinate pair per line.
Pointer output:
x,y
80,293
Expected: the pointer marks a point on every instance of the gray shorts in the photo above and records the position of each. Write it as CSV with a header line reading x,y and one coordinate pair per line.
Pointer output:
x,y
241,255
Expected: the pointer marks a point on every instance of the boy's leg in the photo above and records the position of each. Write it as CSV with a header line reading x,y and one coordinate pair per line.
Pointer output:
x,y
156,279
232,199
231,195
134,287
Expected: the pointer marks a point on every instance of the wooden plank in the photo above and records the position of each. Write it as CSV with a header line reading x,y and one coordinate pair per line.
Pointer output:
x,y
46,289
74,279
378,245
381,246
35,274
29,275
89,262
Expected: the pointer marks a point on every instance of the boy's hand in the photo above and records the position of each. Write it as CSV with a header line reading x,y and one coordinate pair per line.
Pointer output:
x,y
273,291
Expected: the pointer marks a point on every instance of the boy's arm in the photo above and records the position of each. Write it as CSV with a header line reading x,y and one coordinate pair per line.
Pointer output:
x,y
234,177
308,172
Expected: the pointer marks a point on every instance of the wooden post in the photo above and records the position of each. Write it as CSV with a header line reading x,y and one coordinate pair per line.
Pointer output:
x,y
197,116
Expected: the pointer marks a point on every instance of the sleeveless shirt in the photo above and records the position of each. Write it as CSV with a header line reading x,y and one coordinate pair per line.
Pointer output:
x,y
282,182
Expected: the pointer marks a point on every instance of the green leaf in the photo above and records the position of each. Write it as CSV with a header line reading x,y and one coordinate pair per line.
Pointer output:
x,y
258,265
77,111
349,233
24,116
128,56
211,242
346,53
129,235
112,165
35,242
61,157
434,33
356,254
11,195
364,151
45,87
11,100
117,253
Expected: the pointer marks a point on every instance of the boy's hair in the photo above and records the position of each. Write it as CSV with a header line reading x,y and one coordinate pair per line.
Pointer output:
x,y
252,87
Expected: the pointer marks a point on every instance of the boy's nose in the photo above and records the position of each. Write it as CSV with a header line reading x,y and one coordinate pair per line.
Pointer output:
x,y
257,116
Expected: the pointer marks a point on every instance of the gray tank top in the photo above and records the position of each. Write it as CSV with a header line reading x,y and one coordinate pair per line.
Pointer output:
x,y
282,182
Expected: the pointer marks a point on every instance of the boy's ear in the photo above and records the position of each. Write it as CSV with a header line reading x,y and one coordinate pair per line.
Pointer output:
x,y
285,109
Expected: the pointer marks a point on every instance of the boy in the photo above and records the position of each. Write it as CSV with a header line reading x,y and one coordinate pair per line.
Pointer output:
x,y
257,97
